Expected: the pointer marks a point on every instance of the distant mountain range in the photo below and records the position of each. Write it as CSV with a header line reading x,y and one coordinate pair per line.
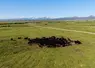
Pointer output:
x,y
47,18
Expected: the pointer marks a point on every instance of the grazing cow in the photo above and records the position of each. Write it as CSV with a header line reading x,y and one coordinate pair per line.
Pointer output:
x,y
77,42
12,39
19,37
26,38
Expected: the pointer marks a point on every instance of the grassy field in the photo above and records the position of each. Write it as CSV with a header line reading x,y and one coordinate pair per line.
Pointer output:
x,y
17,54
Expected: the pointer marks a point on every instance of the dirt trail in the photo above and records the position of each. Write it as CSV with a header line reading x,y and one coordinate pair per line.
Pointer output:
x,y
66,30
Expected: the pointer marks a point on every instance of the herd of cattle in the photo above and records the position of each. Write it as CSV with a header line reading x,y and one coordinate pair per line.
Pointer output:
x,y
52,41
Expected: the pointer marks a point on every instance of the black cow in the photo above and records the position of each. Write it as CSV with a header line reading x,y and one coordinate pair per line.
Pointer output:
x,y
26,38
19,37
77,42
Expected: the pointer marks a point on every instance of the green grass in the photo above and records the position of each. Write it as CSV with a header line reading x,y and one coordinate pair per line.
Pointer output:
x,y
17,54
87,26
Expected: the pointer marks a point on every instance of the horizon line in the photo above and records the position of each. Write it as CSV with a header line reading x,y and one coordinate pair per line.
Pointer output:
x,y
47,17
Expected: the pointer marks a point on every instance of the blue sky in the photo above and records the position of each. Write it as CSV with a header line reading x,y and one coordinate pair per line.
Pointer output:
x,y
46,8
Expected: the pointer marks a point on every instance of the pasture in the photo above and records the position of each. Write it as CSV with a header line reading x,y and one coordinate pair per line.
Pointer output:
x,y
18,54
